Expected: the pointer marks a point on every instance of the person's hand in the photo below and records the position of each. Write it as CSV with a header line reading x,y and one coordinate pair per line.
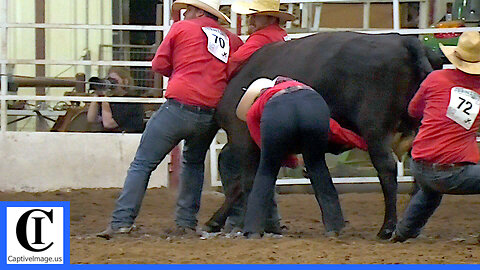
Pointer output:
x,y
99,93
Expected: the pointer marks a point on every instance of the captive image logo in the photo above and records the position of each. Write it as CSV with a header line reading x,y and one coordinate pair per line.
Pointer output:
x,y
35,235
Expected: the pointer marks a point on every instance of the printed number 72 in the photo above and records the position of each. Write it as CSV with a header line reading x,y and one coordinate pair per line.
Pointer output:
x,y
467,103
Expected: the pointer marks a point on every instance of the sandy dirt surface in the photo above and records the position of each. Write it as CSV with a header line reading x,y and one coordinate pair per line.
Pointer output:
x,y
449,237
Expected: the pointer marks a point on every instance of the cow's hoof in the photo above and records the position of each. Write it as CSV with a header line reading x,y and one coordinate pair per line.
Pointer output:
x,y
251,235
385,234
212,227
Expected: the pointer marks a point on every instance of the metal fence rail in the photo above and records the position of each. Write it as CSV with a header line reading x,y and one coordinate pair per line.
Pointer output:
x,y
141,63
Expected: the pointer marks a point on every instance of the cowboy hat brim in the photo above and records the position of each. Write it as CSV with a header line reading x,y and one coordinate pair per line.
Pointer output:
x,y
251,95
182,4
240,7
467,67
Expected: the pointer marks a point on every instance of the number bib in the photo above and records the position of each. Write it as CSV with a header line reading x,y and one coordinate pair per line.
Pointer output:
x,y
463,107
218,43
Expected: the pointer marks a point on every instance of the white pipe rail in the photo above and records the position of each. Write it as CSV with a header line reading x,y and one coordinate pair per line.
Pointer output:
x,y
76,62
386,31
3,66
230,2
84,99
215,182
83,26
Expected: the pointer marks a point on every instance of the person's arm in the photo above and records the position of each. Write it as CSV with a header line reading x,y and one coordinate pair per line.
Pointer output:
x,y
162,62
417,104
236,61
107,117
343,136
92,114
235,42
253,122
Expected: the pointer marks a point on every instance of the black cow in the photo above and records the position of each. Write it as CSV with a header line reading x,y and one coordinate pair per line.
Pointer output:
x,y
367,81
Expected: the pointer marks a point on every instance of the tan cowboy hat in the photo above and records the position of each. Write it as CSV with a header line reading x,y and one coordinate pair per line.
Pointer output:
x,y
211,6
466,55
261,7
251,94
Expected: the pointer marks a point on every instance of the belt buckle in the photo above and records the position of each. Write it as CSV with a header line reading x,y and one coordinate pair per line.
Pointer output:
x,y
443,166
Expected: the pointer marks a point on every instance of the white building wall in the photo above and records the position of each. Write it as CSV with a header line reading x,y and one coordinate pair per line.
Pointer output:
x,y
43,161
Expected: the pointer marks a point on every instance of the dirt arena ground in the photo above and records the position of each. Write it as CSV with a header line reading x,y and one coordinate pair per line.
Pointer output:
x,y
449,237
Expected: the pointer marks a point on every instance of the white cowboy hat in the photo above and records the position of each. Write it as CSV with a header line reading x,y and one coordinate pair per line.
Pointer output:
x,y
211,6
251,94
466,55
261,7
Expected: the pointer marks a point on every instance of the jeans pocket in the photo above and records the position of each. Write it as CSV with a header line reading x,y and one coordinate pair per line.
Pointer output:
x,y
443,181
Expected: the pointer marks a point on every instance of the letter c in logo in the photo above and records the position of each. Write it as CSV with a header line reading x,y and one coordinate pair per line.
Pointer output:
x,y
22,230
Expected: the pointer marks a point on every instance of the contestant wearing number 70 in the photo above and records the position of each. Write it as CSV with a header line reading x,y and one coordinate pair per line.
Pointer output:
x,y
197,72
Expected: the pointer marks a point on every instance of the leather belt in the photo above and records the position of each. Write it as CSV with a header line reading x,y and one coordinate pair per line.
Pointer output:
x,y
192,108
441,167
291,90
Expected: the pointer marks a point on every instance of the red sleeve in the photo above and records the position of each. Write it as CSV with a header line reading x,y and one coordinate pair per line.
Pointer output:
x,y
253,123
344,136
417,104
237,60
290,162
235,42
162,62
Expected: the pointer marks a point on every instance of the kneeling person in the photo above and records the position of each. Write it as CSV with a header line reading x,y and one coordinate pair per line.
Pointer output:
x,y
445,154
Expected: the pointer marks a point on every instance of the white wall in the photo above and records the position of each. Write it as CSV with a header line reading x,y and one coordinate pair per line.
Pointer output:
x,y
40,161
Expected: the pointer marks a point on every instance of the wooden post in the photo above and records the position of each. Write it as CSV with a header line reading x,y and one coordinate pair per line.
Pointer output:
x,y
39,51
239,24
157,78
80,85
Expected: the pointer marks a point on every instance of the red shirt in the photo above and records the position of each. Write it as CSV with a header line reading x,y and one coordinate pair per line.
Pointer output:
x,y
269,34
196,76
337,134
441,139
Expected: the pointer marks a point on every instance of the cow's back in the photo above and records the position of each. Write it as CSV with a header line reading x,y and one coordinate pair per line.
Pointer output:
x,y
357,74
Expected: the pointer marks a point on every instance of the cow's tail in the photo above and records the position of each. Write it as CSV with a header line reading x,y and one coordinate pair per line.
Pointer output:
x,y
422,63
421,59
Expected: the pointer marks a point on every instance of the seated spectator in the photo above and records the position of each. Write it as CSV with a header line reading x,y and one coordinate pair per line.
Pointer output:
x,y
116,116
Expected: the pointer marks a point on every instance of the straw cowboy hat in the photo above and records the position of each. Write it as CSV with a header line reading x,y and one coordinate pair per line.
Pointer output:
x,y
251,94
211,6
466,55
262,7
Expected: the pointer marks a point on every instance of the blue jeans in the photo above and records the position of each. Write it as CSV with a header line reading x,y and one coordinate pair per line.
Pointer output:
x,y
433,184
167,127
292,123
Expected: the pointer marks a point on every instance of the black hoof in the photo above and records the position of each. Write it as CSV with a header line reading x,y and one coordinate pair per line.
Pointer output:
x,y
212,227
250,235
385,234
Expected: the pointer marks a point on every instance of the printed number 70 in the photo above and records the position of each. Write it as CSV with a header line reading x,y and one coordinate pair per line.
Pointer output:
x,y
467,103
220,41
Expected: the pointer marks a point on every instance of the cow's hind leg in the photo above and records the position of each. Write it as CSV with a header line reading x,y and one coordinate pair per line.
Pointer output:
x,y
384,163
230,173
247,155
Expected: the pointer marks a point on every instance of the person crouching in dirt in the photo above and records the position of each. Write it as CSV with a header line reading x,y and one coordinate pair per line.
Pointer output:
x,y
289,117
444,152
